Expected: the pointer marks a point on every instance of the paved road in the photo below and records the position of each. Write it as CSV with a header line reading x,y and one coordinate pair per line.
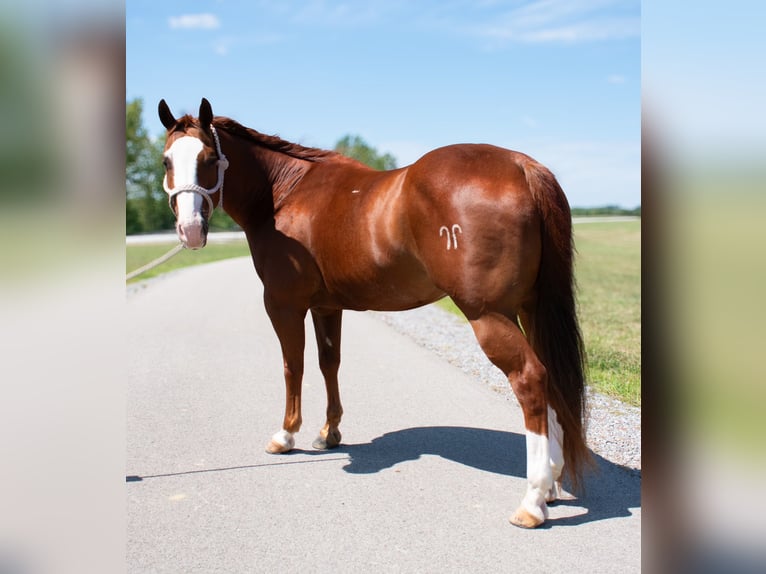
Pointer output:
x,y
431,467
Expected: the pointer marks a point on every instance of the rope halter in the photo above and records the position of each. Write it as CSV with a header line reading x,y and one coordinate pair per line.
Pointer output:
x,y
223,163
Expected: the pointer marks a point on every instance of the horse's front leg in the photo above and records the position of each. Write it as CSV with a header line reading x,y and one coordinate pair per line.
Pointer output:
x,y
289,326
327,326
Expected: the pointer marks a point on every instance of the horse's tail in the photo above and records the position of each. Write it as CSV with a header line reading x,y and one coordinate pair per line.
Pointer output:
x,y
555,331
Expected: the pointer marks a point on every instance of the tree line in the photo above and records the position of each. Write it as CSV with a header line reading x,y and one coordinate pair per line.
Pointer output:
x,y
606,210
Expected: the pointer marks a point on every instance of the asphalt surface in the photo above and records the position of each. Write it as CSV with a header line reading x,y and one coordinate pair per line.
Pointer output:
x,y
431,466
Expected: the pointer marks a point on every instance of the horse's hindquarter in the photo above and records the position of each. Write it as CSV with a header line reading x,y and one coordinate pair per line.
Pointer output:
x,y
476,224
356,230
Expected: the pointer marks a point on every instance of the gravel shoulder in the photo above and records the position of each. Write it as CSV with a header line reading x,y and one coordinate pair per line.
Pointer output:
x,y
613,427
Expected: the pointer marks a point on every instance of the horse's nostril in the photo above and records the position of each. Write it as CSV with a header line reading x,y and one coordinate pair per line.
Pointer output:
x,y
193,233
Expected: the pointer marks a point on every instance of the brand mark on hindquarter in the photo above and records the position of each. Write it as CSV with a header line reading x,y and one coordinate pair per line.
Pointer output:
x,y
451,235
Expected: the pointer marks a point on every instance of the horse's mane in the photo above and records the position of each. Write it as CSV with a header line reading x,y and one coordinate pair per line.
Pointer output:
x,y
275,143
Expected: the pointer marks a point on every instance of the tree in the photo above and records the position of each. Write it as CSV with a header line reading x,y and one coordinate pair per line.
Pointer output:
x,y
146,204
355,147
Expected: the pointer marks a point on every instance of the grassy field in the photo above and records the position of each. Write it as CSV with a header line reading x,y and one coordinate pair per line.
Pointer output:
x,y
138,255
608,272
609,280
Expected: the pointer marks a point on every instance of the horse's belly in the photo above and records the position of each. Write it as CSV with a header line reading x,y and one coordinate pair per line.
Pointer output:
x,y
394,288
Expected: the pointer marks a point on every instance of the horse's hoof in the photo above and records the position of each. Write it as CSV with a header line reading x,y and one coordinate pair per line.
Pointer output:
x,y
276,448
332,440
280,443
524,519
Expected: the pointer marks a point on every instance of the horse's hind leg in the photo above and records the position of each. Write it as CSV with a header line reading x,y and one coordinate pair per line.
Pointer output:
x,y
556,441
327,326
555,432
506,346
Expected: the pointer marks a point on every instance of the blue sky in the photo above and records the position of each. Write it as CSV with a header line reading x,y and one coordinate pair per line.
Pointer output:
x,y
557,79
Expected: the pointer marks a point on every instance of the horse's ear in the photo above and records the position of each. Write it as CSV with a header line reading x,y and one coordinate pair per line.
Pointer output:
x,y
166,116
205,115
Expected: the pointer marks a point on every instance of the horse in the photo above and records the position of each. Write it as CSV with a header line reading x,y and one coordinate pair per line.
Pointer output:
x,y
489,227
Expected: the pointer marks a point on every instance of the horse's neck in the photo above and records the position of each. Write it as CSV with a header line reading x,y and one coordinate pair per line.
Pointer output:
x,y
264,180
283,173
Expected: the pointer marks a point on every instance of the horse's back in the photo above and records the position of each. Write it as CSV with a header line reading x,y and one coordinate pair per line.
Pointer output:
x,y
352,223
479,182
484,167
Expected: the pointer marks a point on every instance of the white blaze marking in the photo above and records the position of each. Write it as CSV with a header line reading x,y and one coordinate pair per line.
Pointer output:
x,y
183,155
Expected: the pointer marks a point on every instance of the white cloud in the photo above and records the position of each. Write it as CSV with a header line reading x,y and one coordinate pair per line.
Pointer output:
x,y
616,79
205,21
337,14
563,21
226,44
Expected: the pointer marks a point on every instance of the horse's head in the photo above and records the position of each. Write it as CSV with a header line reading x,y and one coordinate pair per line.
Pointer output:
x,y
194,167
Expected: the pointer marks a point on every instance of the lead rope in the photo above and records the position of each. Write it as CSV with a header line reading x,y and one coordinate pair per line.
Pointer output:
x,y
152,264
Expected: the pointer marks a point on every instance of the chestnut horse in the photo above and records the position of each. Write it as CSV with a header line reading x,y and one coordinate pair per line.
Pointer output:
x,y
487,226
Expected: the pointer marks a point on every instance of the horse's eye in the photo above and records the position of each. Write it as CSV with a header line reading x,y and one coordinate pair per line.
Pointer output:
x,y
166,162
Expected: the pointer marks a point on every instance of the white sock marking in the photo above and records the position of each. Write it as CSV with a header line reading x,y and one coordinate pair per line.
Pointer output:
x,y
556,439
539,476
284,438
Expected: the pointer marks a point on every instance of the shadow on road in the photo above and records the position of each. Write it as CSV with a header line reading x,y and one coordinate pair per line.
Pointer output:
x,y
610,490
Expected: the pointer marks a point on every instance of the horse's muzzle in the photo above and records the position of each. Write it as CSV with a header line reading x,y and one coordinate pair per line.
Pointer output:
x,y
193,233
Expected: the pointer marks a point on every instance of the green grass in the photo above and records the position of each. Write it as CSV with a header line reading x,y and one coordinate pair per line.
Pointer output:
x,y
138,255
608,273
